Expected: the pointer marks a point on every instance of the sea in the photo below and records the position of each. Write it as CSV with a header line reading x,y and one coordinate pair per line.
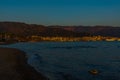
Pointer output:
x,y
73,60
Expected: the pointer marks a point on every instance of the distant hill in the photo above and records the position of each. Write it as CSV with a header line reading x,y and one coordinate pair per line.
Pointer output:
x,y
23,29
94,30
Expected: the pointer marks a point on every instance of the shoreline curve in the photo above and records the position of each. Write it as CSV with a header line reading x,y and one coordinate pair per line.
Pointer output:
x,y
13,66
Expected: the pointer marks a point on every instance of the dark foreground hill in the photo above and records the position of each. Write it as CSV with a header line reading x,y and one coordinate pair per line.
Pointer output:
x,y
23,29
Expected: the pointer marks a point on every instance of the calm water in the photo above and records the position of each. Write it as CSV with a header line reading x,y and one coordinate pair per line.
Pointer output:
x,y
73,60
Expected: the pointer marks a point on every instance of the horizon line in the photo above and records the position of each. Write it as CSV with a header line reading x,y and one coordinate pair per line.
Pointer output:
x,y
58,24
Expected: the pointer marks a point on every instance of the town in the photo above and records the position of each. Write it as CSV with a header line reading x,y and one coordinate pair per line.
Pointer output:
x,y
7,37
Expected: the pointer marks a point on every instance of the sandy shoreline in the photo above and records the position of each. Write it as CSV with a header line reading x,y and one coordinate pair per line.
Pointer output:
x,y
13,66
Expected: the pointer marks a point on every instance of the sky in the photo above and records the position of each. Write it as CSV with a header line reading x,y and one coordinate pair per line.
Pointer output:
x,y
61,12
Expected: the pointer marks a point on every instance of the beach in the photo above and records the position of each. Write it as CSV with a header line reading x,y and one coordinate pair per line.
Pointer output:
x,y
13,66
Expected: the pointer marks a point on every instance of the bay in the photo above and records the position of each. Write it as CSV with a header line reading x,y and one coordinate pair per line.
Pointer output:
x,y
73,60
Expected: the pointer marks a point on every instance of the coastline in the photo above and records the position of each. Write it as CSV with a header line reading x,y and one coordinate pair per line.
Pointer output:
x,y
13,66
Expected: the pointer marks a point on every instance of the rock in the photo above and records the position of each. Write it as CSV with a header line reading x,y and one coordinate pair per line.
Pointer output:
x,y
94,72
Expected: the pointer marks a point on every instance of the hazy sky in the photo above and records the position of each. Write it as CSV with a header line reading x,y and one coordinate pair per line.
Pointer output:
x,y
61,12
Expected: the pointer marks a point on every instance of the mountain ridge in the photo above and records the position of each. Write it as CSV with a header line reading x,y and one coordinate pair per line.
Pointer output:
x,y
23,29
